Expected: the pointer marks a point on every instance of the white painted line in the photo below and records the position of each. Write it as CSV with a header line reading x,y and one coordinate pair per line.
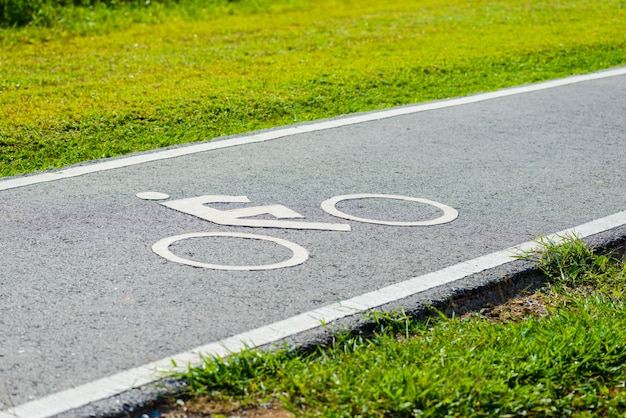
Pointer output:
x,y
449,214
198,206
152,195
20,181
300,254
103,388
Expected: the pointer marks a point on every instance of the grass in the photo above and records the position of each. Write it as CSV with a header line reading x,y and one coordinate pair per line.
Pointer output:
x,y
569,362
573,264
98,82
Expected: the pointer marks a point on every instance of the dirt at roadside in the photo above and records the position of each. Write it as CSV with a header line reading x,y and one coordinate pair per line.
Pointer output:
x,y
203,407
532,305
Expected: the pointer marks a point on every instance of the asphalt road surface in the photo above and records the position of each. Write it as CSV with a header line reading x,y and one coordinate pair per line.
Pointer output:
x,y
112,269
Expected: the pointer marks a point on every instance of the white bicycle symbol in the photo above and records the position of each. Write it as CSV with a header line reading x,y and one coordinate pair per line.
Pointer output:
x,y
198,206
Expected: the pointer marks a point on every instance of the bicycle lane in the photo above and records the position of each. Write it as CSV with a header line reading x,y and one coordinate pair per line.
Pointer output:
x,y
85,296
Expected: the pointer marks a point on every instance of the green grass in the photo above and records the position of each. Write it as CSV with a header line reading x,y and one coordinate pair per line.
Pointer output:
x,y
571,362
99,82
569,262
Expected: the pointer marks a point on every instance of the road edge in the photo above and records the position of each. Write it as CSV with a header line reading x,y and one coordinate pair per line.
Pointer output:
x,y
486,288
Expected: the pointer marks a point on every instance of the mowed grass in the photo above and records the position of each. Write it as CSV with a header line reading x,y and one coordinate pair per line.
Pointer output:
x,y
569,360
98,82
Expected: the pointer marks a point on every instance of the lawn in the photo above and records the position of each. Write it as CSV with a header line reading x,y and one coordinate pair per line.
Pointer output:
x,y
89,83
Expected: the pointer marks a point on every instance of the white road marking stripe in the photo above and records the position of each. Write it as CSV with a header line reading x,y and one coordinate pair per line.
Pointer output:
x,y
110,386
14,182
300,254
